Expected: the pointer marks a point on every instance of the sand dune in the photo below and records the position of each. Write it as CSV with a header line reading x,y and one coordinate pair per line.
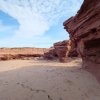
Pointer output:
x,y
42,80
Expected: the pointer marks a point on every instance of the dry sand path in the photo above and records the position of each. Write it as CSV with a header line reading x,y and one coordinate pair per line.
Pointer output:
x,y
42,80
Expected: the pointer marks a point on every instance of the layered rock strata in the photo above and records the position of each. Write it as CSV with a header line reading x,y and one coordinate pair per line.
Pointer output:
x,y
61,50
84,32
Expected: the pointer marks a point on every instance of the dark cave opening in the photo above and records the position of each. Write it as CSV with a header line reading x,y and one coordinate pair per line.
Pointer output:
x,y
95,43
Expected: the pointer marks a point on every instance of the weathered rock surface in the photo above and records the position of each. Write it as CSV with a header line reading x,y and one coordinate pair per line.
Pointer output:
x,y
51,54
84,30
21,53
61,50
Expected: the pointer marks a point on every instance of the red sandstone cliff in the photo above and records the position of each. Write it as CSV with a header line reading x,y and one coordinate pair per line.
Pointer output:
x,y
84,30
61,50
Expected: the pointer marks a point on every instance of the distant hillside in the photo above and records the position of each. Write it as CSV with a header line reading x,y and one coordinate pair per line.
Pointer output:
x,y
21,53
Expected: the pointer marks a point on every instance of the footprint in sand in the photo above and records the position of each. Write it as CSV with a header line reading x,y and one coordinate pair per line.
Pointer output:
x,y
68,82
6,83
49,97
30,88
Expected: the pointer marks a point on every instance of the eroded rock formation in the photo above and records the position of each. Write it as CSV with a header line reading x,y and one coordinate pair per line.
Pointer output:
x,y
61,50
84,30
51,54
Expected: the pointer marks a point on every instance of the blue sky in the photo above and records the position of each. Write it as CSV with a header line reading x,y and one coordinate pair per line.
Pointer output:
x,y
34,23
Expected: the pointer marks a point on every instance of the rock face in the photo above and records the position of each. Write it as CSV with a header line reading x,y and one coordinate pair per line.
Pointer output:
x,y
61,50
21,53
51,54
84,30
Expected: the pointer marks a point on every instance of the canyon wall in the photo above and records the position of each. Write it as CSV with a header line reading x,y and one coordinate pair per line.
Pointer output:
x,y
21,53
84,32
61,50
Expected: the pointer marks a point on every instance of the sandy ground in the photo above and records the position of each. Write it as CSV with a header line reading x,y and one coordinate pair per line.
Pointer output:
x,y
42,80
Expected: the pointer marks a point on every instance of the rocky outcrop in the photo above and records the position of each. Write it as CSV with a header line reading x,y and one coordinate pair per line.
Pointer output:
x,y
61,50
50,54
84,31
21,53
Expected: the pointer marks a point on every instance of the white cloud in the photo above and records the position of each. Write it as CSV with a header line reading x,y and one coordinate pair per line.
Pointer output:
x,y
36,17
31,23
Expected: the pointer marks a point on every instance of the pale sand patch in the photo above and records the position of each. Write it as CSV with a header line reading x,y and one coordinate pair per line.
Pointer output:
x,y
42,80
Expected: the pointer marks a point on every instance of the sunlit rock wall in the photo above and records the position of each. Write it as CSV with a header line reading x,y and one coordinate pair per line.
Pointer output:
x,y
84,31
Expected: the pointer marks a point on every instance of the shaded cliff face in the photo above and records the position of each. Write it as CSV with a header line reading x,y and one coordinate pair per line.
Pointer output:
x,y
50,54
61,50
21,53
84,31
